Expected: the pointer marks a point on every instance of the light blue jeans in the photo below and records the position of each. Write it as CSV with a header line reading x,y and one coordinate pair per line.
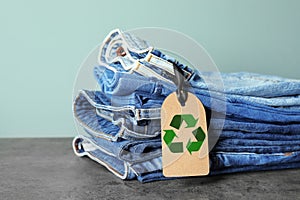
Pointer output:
x,y
129,122
120,123
123,159
95,114
117,84
122,120
249,84
147,96
141,159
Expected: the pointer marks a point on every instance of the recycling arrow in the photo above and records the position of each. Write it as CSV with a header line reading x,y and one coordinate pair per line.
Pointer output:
x,y
188,118
176,147
200,136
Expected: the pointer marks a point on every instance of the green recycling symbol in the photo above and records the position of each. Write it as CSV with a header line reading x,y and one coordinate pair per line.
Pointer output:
x,y
177,147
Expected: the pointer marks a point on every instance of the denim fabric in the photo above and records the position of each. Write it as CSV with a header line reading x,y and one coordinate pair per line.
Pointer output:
x,y
235,107
150,168
250,88
82,146
112,82
258,85
122,119
249,84
256,146
234,124
115,39
222,160
137,57
261,143
116,84
133,52
112,123
229,152
100,127
129,122
123,160
269,136
250,168
149,93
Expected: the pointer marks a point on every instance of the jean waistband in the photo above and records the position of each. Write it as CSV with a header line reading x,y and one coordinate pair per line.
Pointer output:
x,y
115,39
250,84
134,56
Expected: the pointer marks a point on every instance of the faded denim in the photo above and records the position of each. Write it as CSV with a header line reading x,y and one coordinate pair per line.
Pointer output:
x,y
122,119
126,166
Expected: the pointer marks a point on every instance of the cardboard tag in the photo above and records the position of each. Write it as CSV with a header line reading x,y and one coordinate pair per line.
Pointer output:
x,y
184,137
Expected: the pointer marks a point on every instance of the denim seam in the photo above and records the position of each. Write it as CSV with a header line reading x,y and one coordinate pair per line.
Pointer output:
x,y
145,71
98,147
138,115
155,155
151,56
141,51
107,42
97,133
93,157
120,123
108,136
113,108
92,131
248,153
110,168
133,170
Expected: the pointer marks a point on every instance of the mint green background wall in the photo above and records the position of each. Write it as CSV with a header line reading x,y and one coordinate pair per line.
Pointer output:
x,y
42,44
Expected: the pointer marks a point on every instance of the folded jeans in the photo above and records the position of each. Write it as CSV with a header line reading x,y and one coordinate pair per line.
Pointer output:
x,y
151,169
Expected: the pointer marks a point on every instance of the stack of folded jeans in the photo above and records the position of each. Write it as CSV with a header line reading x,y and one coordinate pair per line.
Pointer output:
x,y
256,118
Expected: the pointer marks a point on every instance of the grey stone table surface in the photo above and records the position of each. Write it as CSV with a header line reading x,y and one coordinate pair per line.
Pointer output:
x,y
47,169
